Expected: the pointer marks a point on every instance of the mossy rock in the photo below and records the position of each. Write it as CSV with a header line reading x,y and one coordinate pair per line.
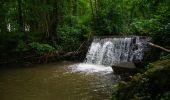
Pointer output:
x,y
153,84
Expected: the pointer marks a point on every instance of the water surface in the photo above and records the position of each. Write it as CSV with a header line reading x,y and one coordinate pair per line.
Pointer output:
x,y
54,81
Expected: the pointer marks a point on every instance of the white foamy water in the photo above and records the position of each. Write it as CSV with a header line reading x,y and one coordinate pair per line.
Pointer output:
x,y
90,68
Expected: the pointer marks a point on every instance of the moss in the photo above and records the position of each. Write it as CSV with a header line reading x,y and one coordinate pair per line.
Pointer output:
x,y
153,84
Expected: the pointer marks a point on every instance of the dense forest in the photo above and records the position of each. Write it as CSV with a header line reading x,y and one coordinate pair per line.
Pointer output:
x,y
40,27
42,30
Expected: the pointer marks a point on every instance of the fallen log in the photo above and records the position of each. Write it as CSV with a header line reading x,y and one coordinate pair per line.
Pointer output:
x,y
159,47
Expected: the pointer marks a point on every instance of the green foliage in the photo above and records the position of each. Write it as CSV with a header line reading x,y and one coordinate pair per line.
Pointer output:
x,y
135,17
41,48
164,56
61,24
72,37
145,26
108,18
21,47
7,43
73,32
165,96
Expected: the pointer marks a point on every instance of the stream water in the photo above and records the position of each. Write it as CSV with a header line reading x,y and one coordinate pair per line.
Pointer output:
x,y
55,81
91,80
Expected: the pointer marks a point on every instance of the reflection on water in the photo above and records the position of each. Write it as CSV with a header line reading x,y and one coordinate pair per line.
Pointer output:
x,y
53,81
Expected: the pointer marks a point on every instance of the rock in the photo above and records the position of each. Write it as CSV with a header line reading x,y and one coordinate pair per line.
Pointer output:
x,y
125,67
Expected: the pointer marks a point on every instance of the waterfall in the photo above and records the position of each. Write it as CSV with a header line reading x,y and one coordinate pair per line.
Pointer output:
x,y
109,51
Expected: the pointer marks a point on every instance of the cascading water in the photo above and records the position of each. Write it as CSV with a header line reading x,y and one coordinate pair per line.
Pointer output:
x,y
109,51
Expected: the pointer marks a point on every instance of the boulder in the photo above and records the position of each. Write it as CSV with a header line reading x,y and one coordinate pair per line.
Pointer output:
x,y
125,67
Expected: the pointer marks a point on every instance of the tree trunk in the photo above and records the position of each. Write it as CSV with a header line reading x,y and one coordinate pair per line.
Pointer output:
x,y
3,24
21,19
75,9
92,9
20,16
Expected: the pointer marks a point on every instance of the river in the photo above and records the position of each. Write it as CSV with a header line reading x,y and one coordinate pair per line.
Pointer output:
x,y
54,81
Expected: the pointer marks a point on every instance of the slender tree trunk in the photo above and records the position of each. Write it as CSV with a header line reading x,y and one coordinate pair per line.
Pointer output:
x,y
21,20
96,8
92,9
75,9
20,16
52,21
3,24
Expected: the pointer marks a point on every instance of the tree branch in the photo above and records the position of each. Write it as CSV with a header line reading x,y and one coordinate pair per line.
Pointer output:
x,y
159,47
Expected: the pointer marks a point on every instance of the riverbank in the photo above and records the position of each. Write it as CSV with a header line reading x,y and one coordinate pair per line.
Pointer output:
x,y
28,58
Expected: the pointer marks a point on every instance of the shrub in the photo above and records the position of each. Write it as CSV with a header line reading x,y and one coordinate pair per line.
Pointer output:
x,y
41,48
